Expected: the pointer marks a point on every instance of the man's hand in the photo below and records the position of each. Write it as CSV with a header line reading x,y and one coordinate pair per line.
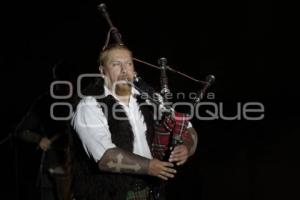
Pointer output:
x,y
45,143
179,155
161,169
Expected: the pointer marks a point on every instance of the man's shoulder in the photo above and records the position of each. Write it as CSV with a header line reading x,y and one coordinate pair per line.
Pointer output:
x,y
87,101
90,103
85,107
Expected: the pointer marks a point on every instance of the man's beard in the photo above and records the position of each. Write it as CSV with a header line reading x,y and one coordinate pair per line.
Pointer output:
x,y
123,88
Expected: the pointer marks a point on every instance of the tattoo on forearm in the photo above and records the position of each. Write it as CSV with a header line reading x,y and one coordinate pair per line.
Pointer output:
x,y
120,161
119,165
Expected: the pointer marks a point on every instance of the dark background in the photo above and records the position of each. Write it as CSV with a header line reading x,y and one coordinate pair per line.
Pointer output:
x,y
245,44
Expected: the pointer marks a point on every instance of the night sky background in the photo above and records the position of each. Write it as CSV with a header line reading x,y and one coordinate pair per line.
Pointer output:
x,y
245,44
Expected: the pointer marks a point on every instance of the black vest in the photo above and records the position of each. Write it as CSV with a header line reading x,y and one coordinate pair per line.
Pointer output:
x,y
88,182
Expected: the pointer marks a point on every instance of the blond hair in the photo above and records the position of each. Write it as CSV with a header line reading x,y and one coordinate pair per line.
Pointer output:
x,y
104,53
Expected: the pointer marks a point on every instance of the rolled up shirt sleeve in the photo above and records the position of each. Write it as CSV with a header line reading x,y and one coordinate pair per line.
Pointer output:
x,y
92,128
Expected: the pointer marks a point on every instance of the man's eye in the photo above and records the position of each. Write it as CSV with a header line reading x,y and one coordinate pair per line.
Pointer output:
x,y
116,64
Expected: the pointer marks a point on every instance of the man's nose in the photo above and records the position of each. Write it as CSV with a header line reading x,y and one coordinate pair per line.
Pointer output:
x,y
123,68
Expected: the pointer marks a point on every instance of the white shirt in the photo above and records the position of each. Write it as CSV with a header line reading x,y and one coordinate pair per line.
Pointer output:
x,y
92,127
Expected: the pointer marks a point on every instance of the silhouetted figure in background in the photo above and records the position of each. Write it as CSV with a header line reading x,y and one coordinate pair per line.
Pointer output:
x,y
42,143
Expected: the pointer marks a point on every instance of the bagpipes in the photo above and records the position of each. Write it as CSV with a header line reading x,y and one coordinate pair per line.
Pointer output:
x,y
171,128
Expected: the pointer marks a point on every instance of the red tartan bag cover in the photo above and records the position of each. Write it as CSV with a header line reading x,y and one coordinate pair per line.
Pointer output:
x,y
175,125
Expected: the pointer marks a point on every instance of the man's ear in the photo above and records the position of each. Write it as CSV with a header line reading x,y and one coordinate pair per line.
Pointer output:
x,y
101,70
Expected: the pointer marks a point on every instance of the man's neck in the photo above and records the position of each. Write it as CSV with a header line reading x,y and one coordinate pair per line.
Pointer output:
x,y
124,100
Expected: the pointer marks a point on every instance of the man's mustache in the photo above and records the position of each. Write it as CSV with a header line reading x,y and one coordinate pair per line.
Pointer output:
x,y
124,77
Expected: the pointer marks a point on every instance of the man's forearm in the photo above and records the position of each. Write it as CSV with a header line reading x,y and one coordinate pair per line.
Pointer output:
x,y
192,141
117,160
